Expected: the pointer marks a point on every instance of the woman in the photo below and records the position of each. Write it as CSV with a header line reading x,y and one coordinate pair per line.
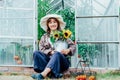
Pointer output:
x,y
47,60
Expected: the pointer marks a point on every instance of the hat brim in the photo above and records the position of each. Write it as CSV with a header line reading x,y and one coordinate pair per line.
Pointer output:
x,y
43,21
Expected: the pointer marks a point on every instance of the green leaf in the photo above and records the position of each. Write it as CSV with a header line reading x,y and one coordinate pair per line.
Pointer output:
x,y
52,39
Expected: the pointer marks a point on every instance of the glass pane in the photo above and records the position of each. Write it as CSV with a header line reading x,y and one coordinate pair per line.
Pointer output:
x,y
19,13
1,13
16,47
97,29
23,27
1,3
16,20
2,26
69,3
97,7
17,27
20,3
99,55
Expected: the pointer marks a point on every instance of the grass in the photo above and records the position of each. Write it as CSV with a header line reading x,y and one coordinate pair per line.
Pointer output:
x,y
112,75
0,73
14,74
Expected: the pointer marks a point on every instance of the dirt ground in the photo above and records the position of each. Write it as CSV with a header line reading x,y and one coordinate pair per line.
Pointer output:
x,y
12,77
24,77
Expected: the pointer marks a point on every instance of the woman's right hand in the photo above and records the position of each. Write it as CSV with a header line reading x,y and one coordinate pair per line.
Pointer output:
x,y
65,51
52,52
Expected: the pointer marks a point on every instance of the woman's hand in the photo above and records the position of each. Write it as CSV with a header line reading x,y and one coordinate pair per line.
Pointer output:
x,y
51,52
65,51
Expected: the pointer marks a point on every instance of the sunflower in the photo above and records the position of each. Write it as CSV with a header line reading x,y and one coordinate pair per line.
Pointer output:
x,y
60,35
56,34
67,33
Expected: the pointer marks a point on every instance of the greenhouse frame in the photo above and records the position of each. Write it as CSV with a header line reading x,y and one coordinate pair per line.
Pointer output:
x,y
96,25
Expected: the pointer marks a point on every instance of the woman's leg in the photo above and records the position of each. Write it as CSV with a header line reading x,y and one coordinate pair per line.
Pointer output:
x,y
40,61
57,64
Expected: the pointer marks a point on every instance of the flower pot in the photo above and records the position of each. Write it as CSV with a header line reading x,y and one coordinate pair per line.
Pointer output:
x,y
16,57
60,45
19,62
79,56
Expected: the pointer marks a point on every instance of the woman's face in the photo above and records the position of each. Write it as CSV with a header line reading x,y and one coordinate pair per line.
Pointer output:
x,y
52,24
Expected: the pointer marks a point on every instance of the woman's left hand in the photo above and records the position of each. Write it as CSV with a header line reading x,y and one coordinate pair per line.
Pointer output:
x,y
65,51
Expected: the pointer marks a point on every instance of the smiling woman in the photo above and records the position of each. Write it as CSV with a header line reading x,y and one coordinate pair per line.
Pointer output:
x,y
48,56
53,24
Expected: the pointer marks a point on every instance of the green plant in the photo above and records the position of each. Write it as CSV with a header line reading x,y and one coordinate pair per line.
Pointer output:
x,y
43,7
0,73
87,52
69,17
115,72
14,73
20,52
110,75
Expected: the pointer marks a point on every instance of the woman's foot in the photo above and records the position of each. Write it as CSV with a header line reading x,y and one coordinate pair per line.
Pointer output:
x,y
37,76
34,76
60,75
40,77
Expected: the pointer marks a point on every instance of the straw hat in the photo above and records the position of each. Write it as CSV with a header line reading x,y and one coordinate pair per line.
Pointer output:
x,y
43,21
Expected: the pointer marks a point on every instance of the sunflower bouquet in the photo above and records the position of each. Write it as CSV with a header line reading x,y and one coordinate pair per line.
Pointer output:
x,y
60,35
58,39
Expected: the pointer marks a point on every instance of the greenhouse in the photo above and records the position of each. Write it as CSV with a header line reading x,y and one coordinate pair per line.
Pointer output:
x,y
94,24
